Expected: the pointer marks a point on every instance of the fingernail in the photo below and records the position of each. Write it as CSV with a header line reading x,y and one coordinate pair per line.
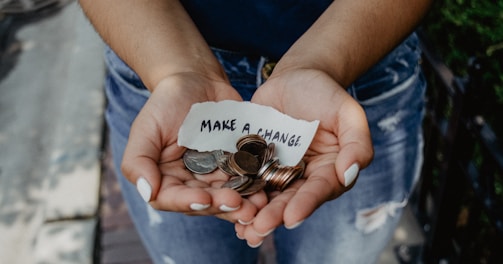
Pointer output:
x,y
245,222
144,189
238,236
226,208
350,174
198,206
294,225
265,234
256,245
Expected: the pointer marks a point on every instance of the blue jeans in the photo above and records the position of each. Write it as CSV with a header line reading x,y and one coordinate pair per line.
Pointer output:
x,y
354,228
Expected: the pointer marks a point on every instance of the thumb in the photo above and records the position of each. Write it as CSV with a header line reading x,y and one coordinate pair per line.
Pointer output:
x,y
356,150
140,163
139,166
352,158
143,172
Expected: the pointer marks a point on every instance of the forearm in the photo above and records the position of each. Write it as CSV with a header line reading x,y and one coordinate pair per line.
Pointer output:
x,y
352,35
155,38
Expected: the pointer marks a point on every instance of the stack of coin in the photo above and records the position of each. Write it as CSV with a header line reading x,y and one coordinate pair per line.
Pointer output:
x,y
253,144
277,176
257,146
244,163
252,168
245,185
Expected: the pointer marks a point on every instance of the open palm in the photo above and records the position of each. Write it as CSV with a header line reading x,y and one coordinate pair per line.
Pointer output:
x,y
152,153
341,146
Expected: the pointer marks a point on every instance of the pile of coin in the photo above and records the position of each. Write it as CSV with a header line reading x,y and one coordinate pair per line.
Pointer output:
x,y
252,168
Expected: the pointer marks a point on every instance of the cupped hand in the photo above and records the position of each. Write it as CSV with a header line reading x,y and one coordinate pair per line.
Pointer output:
x,y
341,147
152,159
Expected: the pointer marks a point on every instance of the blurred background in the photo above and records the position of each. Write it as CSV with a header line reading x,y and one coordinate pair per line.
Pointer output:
x,y
59,201
51,127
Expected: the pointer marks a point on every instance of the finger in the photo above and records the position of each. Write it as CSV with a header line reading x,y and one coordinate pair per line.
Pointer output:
x,y
249,208
265,222
141,156
210,178
259,199
271,216
311,194
240,230
226,200
247,232
356,150
219,201
244,215
182,196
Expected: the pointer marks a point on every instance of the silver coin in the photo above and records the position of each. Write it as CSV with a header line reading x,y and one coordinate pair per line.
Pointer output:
x,y
199,162
222,159
238,183
266,168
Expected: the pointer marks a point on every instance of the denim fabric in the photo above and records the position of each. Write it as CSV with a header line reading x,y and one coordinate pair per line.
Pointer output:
x,y
354,228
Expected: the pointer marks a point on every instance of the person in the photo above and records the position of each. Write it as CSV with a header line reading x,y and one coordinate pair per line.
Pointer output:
x,y
353,65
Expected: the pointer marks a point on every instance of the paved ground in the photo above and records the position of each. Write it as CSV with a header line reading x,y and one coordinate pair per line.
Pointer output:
x,y
51,135
51,107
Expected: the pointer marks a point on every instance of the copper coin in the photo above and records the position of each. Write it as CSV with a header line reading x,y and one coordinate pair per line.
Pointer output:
x,y
253,144
244,163
291,173
256,186
199,162
268,153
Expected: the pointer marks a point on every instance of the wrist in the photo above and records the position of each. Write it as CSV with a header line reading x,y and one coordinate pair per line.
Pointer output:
x,y
293,61
173,70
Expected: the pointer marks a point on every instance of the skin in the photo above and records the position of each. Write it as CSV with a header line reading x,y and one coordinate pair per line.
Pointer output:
x,y
161,43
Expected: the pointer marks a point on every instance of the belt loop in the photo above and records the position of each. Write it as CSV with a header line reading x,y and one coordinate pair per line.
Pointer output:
x,y
264,70
267,69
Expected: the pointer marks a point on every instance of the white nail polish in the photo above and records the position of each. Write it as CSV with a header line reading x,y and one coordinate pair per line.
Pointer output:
x,y
294,225
198,206
350,174
245,222
265,234
238,236
256,245
144,189
226,208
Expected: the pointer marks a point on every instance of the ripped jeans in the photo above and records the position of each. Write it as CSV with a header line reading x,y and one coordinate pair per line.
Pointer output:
x,y
353,228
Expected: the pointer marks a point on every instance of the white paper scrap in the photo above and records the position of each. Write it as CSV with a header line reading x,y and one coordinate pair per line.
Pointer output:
x,y
218,125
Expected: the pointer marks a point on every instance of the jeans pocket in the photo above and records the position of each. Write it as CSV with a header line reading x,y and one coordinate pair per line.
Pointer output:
x,y
381,90
123,74
125,93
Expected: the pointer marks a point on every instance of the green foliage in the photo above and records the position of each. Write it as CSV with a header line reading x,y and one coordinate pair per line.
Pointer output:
x,y
461,32
464,29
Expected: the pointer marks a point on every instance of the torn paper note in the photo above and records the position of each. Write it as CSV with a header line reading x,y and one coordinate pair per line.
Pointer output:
x,y
218,125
